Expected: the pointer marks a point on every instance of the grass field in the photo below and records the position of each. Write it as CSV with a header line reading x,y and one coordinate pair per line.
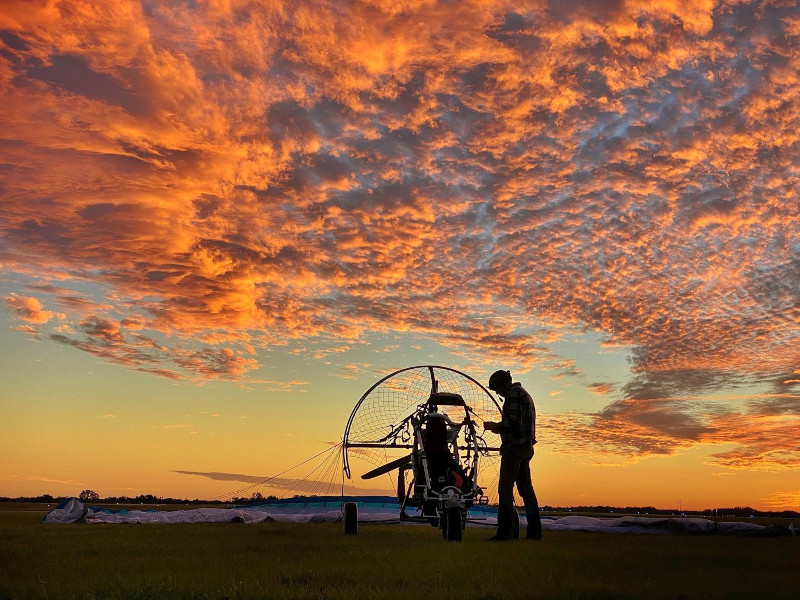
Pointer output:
x,y
279,560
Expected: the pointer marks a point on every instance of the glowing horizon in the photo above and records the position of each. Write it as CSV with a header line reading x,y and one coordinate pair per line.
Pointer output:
x,y
255,209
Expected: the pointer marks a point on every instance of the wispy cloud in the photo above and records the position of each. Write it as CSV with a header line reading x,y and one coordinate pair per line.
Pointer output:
x,y
783,500
217,476
39,479
601,389
276,484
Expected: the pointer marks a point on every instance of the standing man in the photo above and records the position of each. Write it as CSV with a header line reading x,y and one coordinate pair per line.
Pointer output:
x,y
518,434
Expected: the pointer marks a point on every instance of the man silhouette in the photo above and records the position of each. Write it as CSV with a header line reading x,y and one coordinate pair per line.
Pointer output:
x,y
518,434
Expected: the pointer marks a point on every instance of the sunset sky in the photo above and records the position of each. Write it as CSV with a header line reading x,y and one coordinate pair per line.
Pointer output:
x,y
221,221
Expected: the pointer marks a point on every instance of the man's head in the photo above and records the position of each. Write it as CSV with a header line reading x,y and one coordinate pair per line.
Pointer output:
x,y
500,382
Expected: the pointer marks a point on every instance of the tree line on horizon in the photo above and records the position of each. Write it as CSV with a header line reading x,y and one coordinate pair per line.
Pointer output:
x,y
91,496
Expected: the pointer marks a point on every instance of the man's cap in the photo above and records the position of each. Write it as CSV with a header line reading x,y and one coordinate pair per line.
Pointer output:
x,y
499,380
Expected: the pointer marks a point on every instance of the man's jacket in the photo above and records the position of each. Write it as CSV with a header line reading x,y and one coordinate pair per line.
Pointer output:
x,y
518,427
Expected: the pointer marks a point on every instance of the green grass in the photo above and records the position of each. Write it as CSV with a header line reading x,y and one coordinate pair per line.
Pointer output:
x,y
280,560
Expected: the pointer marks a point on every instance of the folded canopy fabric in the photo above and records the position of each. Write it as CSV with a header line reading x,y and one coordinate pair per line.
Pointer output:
x,y
385,509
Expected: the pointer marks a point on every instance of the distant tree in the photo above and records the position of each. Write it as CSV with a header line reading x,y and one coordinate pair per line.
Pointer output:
x,y
256,497
89,495
147,499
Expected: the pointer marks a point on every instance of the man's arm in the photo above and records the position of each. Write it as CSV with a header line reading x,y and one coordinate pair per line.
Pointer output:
x,y
512,412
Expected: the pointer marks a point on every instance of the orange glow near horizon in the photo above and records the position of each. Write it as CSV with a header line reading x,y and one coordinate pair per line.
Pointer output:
x,y
237,206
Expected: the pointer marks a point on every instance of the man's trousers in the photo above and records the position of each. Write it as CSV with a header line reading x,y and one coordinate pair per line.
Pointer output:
x,y
516,470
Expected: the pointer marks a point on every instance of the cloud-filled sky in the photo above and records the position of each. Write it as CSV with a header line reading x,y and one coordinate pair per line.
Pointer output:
x,y
190,189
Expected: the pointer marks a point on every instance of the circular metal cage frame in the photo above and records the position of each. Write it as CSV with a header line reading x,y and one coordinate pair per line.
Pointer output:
x,y
386,442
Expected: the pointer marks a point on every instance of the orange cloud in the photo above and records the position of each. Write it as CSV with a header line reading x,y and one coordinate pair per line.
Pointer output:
x,y
783,500
218,178
28,309
601,389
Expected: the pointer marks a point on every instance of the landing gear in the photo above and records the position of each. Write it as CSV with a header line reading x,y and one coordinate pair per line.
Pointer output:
x,y
350,518
452,526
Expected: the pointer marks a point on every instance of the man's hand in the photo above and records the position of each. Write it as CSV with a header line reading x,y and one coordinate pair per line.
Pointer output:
x,y
490,426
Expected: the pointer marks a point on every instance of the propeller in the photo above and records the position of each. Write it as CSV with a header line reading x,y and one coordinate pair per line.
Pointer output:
x,y
390,466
